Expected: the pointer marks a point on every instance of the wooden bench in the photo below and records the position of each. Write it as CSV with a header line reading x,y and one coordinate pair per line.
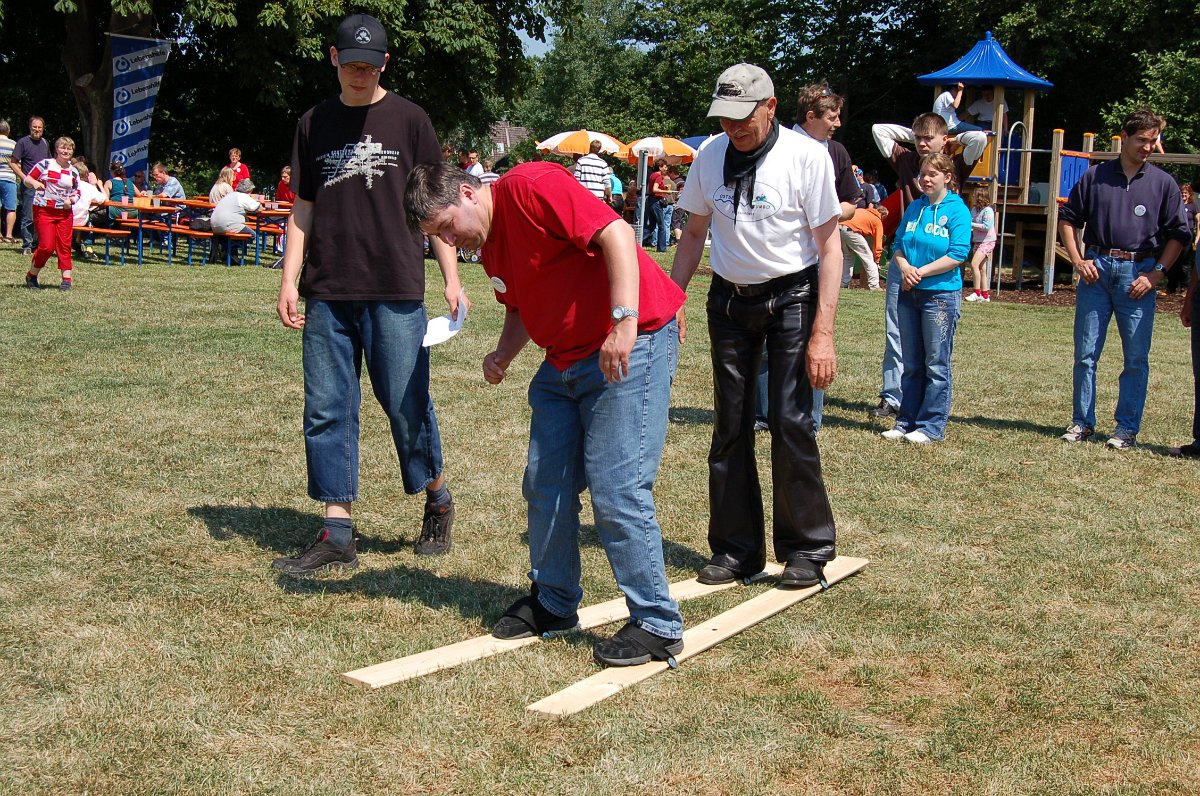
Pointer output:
x,y
108,234
231,238
194,235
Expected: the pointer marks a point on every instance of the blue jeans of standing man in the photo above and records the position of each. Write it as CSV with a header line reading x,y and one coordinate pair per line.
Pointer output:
x,y
25,219
927,319
338,335
1095,304
608,438
893,365
656,232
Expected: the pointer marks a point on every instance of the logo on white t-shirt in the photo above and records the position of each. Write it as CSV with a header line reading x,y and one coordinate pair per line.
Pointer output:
x,y
767,202
366,159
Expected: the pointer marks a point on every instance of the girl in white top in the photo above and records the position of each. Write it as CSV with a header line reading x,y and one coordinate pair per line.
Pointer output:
x,y
983,240
223,186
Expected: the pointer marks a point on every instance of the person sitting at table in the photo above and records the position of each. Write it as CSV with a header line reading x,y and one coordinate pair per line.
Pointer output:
x,y
119,189
222,187
139,183
230,213
283,191
91,196
164,184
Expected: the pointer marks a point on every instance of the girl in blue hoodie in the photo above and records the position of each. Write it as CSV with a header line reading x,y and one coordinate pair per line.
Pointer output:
x,y
933,240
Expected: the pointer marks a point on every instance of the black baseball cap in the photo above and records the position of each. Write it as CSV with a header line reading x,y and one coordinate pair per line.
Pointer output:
x,y
361,39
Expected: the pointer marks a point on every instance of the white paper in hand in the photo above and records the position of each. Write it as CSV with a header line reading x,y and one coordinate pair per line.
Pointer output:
x,y
444,327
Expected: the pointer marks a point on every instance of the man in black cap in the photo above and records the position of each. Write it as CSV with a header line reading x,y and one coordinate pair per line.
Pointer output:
x,y
767,194
363,281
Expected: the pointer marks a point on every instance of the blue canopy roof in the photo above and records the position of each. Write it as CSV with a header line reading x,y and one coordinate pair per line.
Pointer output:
x,y
985,65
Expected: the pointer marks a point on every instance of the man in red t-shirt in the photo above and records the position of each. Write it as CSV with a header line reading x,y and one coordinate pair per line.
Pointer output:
x,y
573,280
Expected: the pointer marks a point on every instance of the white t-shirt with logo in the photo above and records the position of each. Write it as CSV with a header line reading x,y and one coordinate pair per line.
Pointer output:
x,y
230,213
772,236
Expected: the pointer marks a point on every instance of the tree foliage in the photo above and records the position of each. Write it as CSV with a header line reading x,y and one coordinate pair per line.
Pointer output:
x,y
244,71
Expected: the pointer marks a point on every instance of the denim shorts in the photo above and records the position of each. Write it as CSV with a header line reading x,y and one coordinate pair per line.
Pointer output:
x,y
8,194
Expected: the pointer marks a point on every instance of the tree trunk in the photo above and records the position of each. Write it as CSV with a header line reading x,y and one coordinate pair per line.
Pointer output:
x,y
87,57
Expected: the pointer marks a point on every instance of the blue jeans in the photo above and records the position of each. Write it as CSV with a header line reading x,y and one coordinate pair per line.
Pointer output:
x,y
607,438
656,232
893,364
1095,304
337,337
927,322
29,238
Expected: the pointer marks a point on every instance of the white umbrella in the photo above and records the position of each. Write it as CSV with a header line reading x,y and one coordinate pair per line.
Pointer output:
x,y
669,149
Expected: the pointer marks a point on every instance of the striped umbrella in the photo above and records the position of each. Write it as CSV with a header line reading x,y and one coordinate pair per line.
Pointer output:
x,y
578,142
670,149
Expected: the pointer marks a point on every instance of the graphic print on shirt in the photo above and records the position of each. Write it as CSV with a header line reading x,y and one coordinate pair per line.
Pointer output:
x,y
767,202
366,159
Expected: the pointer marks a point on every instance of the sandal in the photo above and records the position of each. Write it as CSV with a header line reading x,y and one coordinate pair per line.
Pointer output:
x,y
528,617
632,646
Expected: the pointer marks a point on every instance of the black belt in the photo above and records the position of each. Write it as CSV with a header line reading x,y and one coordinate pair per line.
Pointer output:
x,y
1122,254
775,285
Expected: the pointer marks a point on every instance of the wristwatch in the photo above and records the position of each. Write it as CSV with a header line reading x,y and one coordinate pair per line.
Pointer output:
x,y
1162,269
621,313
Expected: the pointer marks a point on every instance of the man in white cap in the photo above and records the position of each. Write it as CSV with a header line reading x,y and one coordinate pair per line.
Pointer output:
x,y
363,282
767,195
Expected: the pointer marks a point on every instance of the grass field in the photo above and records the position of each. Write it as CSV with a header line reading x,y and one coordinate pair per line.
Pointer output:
x,y
1028,624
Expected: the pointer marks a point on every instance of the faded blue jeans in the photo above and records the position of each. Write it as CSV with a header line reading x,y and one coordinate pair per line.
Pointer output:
x,y
608,438
1095,305
927,319
893,365
338,335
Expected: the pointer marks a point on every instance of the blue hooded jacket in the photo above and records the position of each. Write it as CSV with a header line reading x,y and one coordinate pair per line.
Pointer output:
x,y
927,232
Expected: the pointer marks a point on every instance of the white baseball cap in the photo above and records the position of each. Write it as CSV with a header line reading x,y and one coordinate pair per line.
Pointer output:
x,y
739,90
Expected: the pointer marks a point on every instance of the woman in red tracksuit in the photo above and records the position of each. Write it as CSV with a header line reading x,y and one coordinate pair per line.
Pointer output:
x,y
56,185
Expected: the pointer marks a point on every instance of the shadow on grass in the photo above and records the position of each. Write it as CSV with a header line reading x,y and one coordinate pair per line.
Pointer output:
x,y
280,529
691,415
471,598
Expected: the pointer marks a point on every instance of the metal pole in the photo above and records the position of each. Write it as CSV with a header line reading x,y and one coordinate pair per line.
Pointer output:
x,y
1005,149
639,222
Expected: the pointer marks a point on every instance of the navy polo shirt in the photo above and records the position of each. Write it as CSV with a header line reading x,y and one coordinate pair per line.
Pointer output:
x,y
1135,215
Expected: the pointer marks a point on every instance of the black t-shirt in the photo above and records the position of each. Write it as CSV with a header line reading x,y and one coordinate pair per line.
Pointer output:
x,y
848,189
353,164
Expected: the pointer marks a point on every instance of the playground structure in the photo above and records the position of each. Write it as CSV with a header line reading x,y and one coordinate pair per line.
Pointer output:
x,y
1026,211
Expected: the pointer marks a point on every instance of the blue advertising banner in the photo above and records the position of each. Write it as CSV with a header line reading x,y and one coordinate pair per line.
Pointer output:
x,y
137,72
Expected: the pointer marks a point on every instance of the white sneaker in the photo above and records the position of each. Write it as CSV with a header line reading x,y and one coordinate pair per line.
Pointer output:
x,y
985,298
974,297
893,434
917,438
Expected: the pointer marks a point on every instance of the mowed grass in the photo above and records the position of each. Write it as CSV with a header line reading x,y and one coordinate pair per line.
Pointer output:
x,y
1028,623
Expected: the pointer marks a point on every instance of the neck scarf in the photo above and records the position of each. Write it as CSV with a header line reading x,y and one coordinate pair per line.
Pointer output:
x,y
741,166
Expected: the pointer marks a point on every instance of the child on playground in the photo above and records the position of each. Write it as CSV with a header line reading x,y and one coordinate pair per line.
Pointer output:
x,y
983,241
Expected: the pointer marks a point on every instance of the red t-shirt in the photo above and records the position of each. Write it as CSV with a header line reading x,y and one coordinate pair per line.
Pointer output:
x,y
283,192
540,256
240,172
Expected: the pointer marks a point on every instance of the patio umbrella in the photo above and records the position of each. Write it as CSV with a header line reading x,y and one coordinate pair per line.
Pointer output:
x,y
670,149
578,142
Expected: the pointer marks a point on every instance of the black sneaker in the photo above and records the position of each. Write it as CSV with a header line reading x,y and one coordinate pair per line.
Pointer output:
x,y
435,529
632,646
31,282
761,425
1189,451
322,554
528,617
801,571
64,285
26,252
883,411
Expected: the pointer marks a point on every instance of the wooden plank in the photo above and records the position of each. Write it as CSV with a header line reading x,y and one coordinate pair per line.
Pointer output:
x,y
473,649
613,680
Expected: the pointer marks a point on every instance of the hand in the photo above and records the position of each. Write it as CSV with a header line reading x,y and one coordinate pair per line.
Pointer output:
x,y
287,308
1145,283
821,360
453,291
1087,271
1185,312
911,277
495,367
681,320
614,354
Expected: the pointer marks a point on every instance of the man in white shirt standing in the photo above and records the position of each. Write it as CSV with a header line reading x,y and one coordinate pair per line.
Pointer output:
x,y
593,173
767,194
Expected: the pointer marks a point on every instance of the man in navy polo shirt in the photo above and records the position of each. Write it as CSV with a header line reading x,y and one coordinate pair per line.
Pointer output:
x,y
1135,230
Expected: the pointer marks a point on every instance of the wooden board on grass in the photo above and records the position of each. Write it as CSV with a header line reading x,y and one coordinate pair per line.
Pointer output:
x,y
435,660
608,682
